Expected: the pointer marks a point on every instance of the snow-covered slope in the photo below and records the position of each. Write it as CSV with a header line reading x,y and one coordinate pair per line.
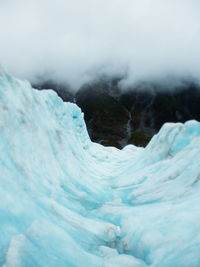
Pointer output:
x,y
65,201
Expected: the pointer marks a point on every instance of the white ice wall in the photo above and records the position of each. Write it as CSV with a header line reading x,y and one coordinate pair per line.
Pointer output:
x,y
65,201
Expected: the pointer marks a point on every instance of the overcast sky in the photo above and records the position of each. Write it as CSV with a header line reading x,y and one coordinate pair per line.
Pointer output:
x,y
73,40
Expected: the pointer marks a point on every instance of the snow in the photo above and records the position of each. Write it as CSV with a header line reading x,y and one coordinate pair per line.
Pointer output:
x,y
66,201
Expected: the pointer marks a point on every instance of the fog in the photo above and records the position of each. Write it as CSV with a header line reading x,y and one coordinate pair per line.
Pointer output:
x,y
75,41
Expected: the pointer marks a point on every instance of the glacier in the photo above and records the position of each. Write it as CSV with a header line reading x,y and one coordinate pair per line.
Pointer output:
x,y
66,201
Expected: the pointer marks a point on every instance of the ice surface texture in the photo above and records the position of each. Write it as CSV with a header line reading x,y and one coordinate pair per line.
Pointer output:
x,y
66,201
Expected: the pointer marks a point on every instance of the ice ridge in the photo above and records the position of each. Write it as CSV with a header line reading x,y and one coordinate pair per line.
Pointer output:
x,y
66,201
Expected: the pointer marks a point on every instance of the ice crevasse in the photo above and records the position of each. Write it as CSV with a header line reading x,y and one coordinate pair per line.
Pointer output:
x,y
66,201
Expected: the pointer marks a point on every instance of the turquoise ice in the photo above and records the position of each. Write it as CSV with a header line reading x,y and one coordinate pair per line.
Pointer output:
x,y
66,201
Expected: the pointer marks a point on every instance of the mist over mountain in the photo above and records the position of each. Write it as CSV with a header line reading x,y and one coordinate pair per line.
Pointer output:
x,y
75,41
117,116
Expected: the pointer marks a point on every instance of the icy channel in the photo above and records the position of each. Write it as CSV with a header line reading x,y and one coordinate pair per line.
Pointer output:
x,y
65,201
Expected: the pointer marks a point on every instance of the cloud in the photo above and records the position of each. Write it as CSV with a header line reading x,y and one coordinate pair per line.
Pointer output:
x,y
74,40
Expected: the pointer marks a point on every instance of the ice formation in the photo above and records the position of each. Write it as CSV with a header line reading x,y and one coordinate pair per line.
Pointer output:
x,y
66,201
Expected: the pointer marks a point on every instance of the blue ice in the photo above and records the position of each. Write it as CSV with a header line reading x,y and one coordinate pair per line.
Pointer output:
x,y
66,201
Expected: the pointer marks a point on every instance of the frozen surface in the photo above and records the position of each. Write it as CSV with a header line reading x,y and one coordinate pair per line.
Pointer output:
x,y
65,201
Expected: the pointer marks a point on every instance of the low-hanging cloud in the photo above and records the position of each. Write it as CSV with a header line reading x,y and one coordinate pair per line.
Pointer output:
x,y
74,40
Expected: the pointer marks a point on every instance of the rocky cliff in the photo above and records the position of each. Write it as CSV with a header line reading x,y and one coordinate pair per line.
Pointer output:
x,y
116,117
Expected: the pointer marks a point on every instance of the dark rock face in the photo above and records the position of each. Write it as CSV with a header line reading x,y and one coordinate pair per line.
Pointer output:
x,y
116,118
150,109
133,117
106,118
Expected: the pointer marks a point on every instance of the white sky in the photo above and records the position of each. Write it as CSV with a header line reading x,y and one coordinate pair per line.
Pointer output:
x,y
73,40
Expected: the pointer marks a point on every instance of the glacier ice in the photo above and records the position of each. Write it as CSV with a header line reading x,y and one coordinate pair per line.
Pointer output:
x,y
66,201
